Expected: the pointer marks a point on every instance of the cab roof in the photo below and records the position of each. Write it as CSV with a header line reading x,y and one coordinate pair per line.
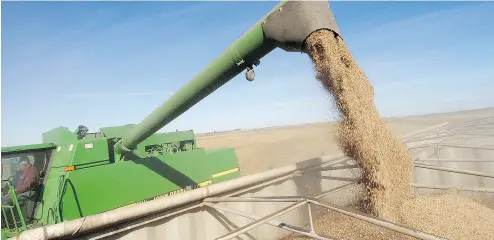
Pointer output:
x,y
27,148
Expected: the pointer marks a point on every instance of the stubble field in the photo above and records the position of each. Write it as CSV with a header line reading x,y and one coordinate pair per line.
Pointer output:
x,y
261,149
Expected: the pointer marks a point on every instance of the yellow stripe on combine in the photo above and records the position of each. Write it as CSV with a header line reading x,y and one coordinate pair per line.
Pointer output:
x,y
225,172
205,183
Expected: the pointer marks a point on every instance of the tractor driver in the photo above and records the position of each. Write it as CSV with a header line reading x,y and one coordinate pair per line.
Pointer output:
x,y
27,178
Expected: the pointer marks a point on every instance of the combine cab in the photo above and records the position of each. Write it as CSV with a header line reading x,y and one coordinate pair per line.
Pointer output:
x,y
79,174
19,209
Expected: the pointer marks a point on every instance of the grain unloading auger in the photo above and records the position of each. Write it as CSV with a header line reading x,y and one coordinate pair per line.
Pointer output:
x,y
81,174
286,26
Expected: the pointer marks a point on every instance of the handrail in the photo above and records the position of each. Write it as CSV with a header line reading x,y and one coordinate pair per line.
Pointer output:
x,y
61,188
15,203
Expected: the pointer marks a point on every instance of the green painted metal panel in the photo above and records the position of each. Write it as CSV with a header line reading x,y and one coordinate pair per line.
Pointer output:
x,y
25,148
223,159
226,177
62,156
59,136
90,152
130,181
116,132
83,153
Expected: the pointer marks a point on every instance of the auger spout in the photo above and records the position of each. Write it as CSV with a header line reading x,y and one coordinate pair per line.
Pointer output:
x,y
286,26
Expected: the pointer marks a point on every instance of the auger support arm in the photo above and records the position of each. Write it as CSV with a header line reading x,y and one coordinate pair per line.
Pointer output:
x,y
286,26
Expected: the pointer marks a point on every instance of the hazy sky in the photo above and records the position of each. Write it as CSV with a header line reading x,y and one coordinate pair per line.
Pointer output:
x,y
106,63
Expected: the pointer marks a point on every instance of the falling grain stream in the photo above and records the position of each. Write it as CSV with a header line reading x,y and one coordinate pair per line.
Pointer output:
x,y
385,161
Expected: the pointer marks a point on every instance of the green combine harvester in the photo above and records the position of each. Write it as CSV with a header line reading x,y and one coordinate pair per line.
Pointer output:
x,y
79,173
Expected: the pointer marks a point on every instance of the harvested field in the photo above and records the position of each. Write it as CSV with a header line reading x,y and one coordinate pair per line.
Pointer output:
x,y
262,149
